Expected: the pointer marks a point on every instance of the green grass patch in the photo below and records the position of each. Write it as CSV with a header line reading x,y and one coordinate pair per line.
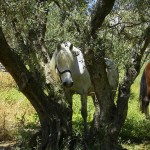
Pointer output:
x,y
77,118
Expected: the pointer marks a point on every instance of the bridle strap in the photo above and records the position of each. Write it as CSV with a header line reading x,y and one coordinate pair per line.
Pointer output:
x,y
62,72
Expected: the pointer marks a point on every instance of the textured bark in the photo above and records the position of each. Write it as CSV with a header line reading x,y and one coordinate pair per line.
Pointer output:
x,y
104,104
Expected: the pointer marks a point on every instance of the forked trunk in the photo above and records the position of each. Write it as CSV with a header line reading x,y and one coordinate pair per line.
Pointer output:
x,y
108,118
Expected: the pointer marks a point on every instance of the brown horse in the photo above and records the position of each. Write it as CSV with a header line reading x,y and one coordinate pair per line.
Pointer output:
x,y
145,91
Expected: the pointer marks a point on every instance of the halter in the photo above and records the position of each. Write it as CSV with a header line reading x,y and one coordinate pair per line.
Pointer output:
x,y
62,72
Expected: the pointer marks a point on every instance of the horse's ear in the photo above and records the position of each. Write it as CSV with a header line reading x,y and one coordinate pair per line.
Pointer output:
x,y
71,47
58,47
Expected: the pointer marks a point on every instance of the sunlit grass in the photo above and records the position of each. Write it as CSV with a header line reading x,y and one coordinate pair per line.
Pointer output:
x,y
130,146
77,118
77,108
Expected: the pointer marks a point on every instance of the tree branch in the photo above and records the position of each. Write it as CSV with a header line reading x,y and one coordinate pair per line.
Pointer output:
x,y
102,9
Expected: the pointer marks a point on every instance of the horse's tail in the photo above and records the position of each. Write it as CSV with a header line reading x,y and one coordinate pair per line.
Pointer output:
x,y
143,89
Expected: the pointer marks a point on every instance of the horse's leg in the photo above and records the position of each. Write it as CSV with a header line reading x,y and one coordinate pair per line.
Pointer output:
x,y
84,113
69,95
145,107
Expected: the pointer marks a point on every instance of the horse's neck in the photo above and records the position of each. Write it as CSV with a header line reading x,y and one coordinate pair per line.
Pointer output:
x,y
80,64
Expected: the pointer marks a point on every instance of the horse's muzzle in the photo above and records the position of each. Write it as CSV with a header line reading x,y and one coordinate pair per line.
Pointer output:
x,y
68,83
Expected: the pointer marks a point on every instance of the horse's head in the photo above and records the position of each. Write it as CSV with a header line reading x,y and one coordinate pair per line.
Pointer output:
x,y
65,63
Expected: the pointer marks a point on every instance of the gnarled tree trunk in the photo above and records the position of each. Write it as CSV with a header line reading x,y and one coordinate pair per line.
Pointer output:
x,y
53,116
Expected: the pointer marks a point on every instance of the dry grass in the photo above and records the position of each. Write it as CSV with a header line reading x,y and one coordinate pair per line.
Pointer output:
x,y
15,110
6,81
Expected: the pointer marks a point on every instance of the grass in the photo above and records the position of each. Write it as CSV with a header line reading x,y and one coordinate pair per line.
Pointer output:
x,y
17,116
77,118
18,119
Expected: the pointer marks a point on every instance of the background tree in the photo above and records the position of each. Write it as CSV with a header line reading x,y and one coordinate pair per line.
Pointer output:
x,y
33,29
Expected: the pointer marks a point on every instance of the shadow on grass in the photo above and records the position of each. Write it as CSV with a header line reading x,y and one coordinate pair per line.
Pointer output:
x,y
135,131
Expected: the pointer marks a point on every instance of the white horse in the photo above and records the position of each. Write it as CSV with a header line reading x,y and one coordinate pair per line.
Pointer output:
x,y
68,66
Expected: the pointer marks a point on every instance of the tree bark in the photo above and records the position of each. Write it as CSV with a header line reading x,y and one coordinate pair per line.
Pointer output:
x,y
104,104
